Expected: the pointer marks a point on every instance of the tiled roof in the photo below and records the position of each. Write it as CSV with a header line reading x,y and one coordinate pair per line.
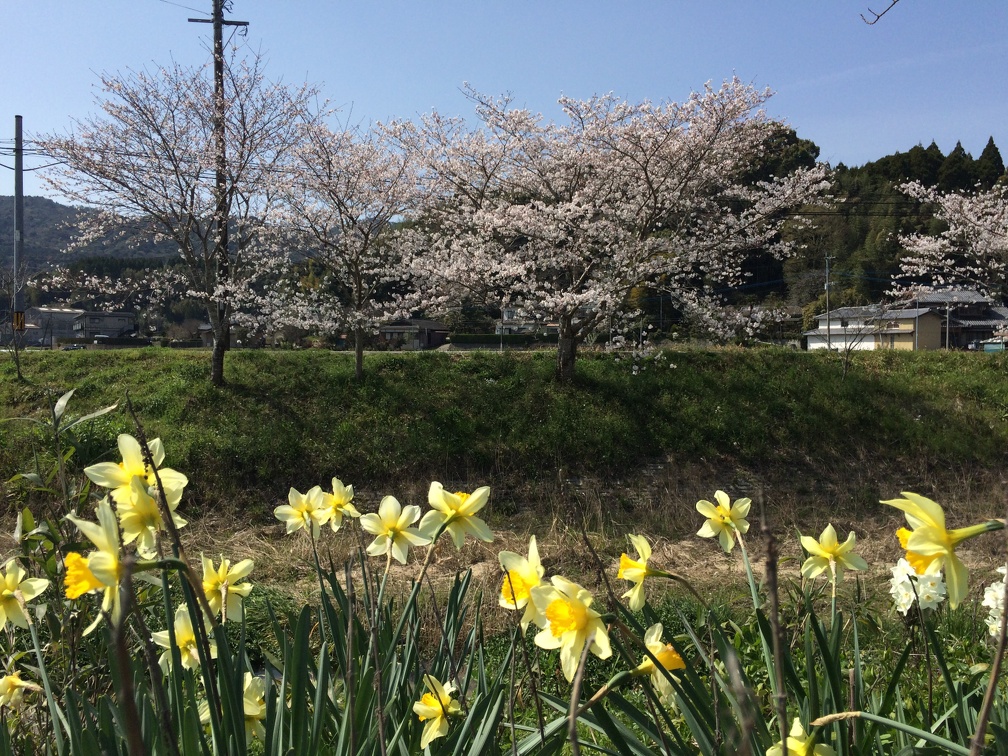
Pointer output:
x,y
875,312
952,296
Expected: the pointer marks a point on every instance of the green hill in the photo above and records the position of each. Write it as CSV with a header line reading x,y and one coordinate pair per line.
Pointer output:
x,y
786,423
50,228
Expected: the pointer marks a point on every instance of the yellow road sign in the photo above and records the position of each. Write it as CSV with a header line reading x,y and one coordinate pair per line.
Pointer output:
x,y
19,322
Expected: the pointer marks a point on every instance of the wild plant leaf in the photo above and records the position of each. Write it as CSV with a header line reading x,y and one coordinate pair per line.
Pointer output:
x,y
829,662
90,416
916,732
35,479
622,737
60,407
792,681
963,718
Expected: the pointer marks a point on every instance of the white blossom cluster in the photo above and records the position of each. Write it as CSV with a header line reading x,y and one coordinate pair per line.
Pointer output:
x,y
972,252
341,201
145,290
906,587
994,601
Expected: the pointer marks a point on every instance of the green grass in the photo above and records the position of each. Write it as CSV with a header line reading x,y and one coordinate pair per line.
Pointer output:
x,y
296,418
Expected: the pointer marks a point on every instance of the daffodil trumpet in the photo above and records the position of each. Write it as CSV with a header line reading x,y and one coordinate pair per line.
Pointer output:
x,y
568,623
434,708
16,590
660,660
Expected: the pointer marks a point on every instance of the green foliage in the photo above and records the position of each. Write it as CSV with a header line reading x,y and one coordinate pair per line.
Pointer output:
x,y
860,232
286,417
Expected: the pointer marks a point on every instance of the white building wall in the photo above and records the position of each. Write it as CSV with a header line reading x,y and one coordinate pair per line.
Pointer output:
x,y
838,339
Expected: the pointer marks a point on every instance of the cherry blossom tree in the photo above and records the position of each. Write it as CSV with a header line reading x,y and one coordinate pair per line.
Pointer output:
x,y
563,220
972,251
344,194
146,164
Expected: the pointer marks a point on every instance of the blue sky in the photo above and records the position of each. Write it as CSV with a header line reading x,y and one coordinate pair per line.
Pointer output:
x,y
929,70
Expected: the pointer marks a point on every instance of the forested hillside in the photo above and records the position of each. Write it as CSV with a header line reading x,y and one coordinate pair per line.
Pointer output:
x,y
860,233
49,232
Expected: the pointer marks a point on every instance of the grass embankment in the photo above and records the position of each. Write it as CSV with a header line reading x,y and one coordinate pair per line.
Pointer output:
x,y
779,425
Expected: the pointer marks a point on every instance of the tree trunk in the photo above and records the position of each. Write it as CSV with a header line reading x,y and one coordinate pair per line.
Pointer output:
x,y
359,353
566,352
217,362
222,340
16,347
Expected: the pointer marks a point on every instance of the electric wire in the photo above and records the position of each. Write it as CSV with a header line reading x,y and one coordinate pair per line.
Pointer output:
x,y
184,7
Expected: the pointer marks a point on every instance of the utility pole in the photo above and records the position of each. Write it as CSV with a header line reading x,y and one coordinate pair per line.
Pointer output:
x,y
17,300
916,319
220,183
948,323
829,340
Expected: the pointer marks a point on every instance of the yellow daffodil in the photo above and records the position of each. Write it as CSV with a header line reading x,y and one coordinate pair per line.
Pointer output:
x,y
919,562
254,702
456,513
635,570
521,575
930,539
434,708
667,657
140,517
185,641
117,476
14,580
12,690
303,510
223,587
99,570
827,553
800,744
337,504
724,519
391,528
563,611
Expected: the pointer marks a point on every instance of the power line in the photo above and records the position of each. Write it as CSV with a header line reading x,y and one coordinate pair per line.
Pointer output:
x,y
184,7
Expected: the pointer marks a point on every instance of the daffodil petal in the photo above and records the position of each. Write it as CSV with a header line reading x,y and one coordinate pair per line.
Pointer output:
x,y
956,580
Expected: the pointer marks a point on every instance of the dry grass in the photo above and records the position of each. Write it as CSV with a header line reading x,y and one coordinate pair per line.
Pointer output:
x,y
661,507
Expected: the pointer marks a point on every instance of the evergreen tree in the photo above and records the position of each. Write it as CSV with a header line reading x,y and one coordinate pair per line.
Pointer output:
x,y
924,164
957,172
989,166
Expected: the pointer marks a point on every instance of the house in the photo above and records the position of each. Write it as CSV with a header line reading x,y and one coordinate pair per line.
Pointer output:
x,y
876,327
111,325
970,318
512,323
52,324
414,334
946,319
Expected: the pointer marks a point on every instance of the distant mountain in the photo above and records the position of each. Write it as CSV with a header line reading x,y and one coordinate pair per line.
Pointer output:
x,y
49,229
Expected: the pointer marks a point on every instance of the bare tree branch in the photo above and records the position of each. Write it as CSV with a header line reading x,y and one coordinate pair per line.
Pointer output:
x,y
876,16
